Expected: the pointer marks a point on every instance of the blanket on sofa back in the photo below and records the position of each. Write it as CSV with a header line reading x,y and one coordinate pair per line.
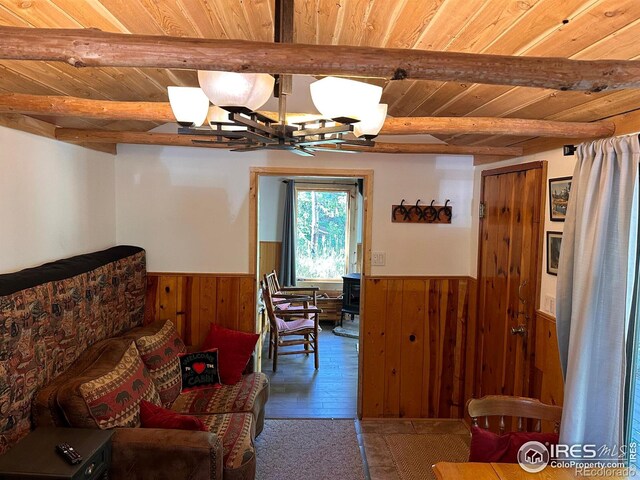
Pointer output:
x,y
50,314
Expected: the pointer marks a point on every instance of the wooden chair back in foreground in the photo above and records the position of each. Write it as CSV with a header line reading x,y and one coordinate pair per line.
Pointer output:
x,y
303,324
521,407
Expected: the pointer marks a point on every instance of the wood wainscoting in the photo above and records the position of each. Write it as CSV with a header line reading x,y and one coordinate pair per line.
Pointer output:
x,y
269,257
193,300
414,346
548,384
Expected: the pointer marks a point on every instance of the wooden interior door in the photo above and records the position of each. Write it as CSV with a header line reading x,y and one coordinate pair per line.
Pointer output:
x,y
509,264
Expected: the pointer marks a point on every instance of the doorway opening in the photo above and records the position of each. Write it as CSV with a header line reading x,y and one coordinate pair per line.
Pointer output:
x,y
316,223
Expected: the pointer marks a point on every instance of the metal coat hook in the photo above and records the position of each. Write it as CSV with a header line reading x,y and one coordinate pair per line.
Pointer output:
x,y
402,210
447,211
431,213
417,213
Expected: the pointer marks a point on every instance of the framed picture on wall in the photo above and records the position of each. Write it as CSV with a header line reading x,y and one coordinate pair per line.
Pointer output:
x,y
554,239
559,189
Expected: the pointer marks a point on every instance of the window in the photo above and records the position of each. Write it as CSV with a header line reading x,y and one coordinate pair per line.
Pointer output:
x,y
324,222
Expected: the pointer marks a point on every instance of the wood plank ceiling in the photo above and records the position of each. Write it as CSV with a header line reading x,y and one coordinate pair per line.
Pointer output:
x,y
577,29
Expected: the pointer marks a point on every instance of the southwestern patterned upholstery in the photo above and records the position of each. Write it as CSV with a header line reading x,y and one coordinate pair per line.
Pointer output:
x,y
49,315
245,396
71,327
114,398
237,432
159,352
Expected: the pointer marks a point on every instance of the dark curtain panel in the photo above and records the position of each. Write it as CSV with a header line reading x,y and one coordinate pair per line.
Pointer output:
x,y
287,275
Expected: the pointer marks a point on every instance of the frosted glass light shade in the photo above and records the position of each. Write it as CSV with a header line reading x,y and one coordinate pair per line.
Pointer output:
x,y
218,115
372,121
230,89
189,104
340,97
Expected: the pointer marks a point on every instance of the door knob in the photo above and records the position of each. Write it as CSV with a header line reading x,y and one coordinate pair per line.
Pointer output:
x,y
519,330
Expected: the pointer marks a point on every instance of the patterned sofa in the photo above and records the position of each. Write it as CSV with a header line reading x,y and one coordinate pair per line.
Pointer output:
x,y
68,334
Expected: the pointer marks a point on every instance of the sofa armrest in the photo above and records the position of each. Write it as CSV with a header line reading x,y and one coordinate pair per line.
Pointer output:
x,y
155,453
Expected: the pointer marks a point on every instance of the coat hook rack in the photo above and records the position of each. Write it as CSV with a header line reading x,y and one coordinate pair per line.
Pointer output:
x,y
421,213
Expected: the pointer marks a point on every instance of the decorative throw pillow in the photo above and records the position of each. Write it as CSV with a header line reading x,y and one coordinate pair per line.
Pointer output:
x,y
159,352
235,349
199,370
152,416
114,398
489,447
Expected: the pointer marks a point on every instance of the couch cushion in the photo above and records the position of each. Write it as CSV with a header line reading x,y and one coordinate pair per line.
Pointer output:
x,y
237,433
114,398
71,403
240,397
46,412
159,352
235,349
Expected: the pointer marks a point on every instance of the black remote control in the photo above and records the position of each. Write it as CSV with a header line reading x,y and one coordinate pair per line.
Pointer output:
x,y
68,453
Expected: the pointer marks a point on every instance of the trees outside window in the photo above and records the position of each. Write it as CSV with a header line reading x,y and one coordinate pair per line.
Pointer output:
x,y
323,229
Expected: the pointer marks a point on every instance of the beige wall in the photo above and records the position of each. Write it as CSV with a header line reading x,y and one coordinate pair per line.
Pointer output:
x,y
557,166
56,200
190,207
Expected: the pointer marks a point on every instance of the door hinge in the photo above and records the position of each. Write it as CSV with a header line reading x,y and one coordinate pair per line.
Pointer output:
x,y
481,211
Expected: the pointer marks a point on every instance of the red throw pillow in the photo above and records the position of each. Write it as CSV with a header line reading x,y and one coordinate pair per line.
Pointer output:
x,y
152,416
489,447
234,351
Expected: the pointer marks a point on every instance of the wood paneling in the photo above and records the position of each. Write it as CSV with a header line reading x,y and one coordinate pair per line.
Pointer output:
x,y
193,301
575,29
269,258
413,342
549,384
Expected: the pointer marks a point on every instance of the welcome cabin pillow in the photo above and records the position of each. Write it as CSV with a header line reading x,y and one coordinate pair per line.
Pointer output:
x,y
199,370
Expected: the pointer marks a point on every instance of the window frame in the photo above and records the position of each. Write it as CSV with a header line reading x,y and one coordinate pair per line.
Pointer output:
x,y
351,224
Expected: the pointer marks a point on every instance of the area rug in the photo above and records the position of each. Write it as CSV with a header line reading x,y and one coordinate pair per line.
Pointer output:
x,y
350,329
413,455
308,449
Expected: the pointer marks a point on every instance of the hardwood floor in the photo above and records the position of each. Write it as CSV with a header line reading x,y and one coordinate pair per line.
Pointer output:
x,y
300,391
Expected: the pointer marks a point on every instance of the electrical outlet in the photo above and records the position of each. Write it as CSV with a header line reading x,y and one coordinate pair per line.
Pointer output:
x,y
378,259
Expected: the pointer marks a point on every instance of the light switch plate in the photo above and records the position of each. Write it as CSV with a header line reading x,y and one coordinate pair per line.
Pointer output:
x,y
550,304
378,259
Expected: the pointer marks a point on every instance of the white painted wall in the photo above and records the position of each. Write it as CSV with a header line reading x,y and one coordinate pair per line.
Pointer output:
x,y
190,207
557,166
56,200
271,208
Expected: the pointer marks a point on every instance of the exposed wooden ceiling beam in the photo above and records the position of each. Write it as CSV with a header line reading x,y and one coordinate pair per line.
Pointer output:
x,y
27,124
495,126
161,112
90,47
173,139
65,106
627,123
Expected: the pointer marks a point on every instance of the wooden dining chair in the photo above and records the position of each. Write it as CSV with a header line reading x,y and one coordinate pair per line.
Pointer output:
x,y
276,290
301,323
520,407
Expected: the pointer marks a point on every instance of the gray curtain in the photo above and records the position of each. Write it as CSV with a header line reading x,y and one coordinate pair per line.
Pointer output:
x,y
595,286
287,274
